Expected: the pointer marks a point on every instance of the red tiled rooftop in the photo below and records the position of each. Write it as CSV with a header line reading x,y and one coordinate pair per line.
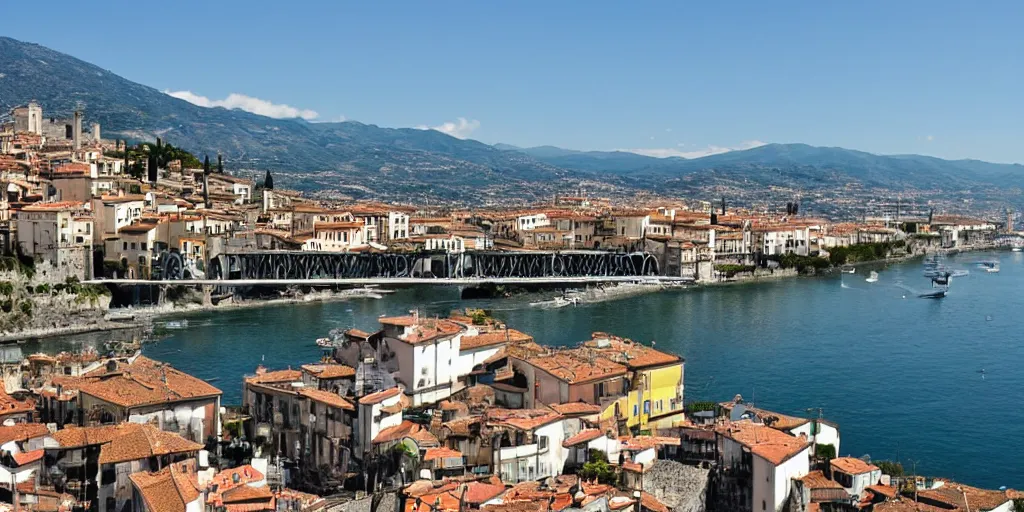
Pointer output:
x,y
852,466
380,396
583,436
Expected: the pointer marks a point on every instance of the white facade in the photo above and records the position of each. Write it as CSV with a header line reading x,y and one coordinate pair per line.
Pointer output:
x,y
795,240
448,243
427,368
372,420
771,483
243,192
827,434
631,226
398,225
532,221
544,458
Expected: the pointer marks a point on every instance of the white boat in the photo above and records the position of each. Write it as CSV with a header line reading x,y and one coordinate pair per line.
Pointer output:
x,y
176,324
848,269
1015,249
873,277
993,269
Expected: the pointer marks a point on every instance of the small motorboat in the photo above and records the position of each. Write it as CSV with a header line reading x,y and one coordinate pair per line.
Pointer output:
x,y
848,269
1015,249
324,342
992,270
872,277
176,324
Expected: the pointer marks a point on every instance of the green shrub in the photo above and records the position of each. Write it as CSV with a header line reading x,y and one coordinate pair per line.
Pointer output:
x,y
731,270
889,467
6,288
43,288
26,307
825,451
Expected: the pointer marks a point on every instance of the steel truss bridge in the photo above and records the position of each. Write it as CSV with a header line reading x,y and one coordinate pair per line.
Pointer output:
x,y
298,267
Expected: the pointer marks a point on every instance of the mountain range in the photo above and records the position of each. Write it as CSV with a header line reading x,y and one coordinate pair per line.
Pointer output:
x,y
363,160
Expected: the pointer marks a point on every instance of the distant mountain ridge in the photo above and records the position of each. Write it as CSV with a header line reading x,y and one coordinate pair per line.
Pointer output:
x,y
364,160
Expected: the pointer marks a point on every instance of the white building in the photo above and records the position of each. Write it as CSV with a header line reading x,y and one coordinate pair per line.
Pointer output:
x,y
377,411
771,458
854,474
531,444
532,220
427,352
784,239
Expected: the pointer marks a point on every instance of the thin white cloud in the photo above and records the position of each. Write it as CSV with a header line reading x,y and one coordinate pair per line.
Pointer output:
x,y
460,128
930,138
248,104
708,151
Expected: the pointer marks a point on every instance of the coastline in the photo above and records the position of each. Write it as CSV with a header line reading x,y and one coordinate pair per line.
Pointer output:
x,y
144,316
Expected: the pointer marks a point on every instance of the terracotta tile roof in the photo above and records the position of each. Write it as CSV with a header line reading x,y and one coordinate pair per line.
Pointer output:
x,y
487,339
275,377
953,494
245,493
55,206
380,396
168,490
126,441
10,405
884,490
772,419
329,371
479,492
23,458
818,480
852,466
328,398
651,503
522,419
22,432
408,429
575,408
224,482
426,329
575,367
144,382
444,501
627,352
766,442
640,443
583,436
460,426
441,453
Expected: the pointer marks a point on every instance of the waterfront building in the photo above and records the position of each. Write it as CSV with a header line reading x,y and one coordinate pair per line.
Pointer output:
x,y
758,464
854,475
655,382
570,375
819,431
426,351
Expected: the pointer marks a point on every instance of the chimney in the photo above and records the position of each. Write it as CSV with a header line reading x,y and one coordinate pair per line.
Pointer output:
x,y
76,130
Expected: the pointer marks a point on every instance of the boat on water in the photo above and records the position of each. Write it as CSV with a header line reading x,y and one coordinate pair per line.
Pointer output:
x,y
1015,249
848,269
557,302
989,266
937,294
176,324
324,342
872,277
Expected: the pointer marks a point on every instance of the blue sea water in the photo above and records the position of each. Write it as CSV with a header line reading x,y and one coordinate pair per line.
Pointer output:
x,y
938,382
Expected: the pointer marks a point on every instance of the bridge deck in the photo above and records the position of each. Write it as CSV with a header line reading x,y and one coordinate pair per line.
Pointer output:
x,y
466,281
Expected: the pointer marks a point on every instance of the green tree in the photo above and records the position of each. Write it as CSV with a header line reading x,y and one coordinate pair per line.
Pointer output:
x,y
598,468
890,468
825,452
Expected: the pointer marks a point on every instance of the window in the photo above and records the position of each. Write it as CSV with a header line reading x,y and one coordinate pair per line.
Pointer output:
x,y
143,246
542,443
647,406
636,410
125,246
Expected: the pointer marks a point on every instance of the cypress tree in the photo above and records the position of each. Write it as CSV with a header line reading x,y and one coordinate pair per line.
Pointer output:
x,y
268,182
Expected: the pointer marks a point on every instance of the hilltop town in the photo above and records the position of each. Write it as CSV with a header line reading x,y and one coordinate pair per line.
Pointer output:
x,y
80,207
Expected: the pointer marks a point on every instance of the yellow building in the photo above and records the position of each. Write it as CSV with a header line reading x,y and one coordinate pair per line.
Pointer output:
x,y
654,396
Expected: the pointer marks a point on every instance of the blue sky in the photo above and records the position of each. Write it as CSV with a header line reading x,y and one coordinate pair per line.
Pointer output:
x,y
932,77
